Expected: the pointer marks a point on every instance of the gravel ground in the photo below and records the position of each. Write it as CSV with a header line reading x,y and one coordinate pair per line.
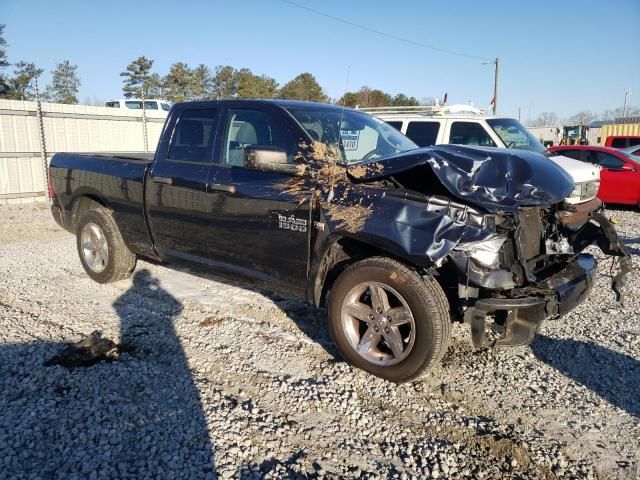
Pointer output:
x,y
214,380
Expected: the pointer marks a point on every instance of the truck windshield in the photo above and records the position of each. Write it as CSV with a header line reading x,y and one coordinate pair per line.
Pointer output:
x,y
356,135
515,135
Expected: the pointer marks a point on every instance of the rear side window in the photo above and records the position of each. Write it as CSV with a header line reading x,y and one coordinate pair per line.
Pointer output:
x,y
619,142
113,104
470,133
396,125
193,136
424,134
151,105
134,105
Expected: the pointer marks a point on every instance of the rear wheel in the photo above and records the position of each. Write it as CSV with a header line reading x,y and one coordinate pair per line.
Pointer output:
x,y
103,253
388,320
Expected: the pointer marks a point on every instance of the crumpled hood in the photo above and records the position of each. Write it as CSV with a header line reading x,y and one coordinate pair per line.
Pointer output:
x,y
492,178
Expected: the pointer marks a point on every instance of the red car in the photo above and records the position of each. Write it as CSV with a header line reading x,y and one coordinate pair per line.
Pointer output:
x,y
620,174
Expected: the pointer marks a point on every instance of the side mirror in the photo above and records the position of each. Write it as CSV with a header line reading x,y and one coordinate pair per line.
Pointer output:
x,y
626,168
270,159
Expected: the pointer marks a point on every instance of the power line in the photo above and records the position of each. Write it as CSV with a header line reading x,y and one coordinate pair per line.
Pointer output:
x,y
384,34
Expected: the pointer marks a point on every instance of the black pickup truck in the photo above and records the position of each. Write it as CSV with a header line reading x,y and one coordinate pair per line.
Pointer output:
x,y
336,207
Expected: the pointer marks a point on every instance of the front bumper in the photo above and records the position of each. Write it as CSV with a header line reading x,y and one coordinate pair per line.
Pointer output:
x,y
521,317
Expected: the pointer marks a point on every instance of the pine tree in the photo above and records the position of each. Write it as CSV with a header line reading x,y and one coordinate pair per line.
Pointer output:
x,y
137,78
224,82
155,87
64,84
178,83
22,84
303,87
203,84
250,85
4,63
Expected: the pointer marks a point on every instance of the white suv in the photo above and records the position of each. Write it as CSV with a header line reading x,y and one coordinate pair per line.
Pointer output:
x,y
466,125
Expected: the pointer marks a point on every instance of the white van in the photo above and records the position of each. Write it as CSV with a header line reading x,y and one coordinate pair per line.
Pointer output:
x,y
136,104
467,125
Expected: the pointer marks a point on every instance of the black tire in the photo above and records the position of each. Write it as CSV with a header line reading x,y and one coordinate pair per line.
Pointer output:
x,y
120,261
424,298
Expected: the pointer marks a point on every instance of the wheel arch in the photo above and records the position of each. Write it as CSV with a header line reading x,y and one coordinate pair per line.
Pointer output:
x,y
83,203
339,253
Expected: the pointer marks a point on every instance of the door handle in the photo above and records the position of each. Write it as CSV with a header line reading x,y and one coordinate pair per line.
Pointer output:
x,y
222,188
163,180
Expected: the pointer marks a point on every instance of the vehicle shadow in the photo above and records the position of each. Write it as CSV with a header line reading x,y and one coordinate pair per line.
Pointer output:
x,y
135,413
613,376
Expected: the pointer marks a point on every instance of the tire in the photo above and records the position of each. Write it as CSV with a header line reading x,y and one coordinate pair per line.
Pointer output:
x,y
412,343
101,238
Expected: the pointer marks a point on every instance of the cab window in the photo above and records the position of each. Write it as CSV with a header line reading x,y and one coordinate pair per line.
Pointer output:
x,y
424,134
470,133
245,127
193,136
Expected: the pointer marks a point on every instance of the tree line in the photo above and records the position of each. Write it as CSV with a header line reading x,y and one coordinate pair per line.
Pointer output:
x,y
21,84
181,83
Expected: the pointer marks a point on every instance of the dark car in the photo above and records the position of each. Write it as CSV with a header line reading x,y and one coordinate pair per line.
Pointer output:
x,y
620,171
336,207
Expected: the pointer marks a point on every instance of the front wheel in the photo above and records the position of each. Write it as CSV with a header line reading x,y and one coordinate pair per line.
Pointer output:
x,y
103,253
388,320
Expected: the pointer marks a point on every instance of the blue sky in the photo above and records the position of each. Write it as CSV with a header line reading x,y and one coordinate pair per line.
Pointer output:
x,y
555,55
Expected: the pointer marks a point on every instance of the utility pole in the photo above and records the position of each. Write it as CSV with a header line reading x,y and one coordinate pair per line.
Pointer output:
x,y
495,62
627,92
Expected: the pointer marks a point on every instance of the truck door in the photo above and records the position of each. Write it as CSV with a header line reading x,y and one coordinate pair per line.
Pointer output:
x,y
176,189
255,226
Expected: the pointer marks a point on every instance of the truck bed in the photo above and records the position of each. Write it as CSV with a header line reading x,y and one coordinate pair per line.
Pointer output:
x,y
118,180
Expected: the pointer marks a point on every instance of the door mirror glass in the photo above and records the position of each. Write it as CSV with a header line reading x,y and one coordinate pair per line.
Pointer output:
x,y
270,159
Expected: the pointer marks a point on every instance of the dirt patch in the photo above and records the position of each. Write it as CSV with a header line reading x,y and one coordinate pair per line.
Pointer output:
x,y
215,319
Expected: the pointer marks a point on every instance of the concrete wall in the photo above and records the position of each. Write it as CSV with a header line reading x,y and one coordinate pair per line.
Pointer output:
x,y
67,128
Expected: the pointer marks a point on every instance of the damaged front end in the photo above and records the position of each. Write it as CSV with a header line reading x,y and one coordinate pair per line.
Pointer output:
x,y
509,249
538,271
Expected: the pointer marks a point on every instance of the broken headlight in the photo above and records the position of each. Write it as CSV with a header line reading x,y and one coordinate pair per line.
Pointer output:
x,y
486,252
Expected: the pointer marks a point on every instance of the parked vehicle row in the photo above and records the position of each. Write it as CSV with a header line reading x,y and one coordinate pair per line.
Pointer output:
x,y
335,206
465,125
619,171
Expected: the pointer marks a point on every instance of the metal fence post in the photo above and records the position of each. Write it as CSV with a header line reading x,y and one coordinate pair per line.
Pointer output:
x,y
144,123
43,142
